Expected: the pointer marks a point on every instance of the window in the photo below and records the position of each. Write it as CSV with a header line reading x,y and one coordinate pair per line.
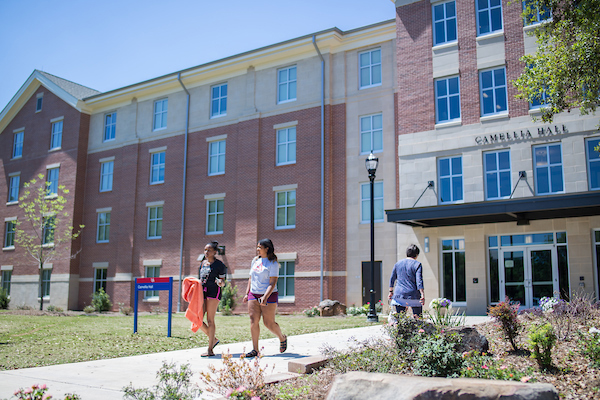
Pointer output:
x,y
286,146
285,212
489,16
219,100
216,157
103,227
548,169
157,167
286,84
106,176
48,231
371,134
444,23
497,174
533,15
365,202
285,282
155,222
9,234
453,264
152,272
100,279
160,113
451,179
46,275
18,145
38,102
52,180
447,99
593,158
56,137
13,188
370,68
214,216
493,91
110,126
6,278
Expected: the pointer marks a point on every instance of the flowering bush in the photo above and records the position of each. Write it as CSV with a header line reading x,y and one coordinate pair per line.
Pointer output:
x,y
505,313
547,303
442,302
38,392
242,393
312,312
442,315
482,366
590,346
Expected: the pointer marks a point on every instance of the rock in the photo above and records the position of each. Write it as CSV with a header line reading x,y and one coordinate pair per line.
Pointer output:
x,y
471,339
362,385
329,308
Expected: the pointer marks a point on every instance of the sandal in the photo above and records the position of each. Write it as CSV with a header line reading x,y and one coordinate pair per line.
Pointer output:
x,y
211,354
216,343
283,345
252,354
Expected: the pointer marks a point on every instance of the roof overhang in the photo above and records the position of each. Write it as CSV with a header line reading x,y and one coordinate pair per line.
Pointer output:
x,y
520,211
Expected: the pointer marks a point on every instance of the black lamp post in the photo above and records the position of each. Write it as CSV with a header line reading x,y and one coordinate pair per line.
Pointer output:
x,y
371,165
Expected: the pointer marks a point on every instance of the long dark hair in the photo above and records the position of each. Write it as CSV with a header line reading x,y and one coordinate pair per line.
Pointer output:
x,y
267,244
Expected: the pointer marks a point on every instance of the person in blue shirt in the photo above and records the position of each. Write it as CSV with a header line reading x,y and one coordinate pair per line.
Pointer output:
x,y
406,283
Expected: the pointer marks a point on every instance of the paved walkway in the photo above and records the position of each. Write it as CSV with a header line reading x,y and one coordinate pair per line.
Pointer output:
x,y
105,379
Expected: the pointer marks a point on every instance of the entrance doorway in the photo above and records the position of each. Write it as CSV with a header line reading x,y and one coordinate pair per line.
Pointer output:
x,y
366,281
528,273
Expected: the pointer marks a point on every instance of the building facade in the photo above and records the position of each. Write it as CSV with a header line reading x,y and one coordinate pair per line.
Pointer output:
x,y
502,205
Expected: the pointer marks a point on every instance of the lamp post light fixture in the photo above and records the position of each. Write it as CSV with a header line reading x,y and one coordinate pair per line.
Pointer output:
x,y
371,165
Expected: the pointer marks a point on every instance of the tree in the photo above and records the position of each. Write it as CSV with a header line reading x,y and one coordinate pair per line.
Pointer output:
x,y
564,72
45,237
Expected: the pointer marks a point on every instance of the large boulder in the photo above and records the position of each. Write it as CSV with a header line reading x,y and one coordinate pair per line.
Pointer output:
x,y
471,339
363,385
329,308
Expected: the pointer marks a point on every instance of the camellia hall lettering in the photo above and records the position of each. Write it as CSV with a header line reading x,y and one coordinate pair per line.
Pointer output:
x,y
524,134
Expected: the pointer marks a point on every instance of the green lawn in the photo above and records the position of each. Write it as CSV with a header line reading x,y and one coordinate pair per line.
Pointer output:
x,y
33,341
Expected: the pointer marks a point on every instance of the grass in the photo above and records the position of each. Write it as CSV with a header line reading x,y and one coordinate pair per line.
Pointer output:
x,y
32,341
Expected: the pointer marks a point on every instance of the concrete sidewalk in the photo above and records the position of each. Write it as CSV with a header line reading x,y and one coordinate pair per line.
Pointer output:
x,y
105,379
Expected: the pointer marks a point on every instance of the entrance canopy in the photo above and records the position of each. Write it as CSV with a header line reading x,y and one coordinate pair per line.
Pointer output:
x,y
520,210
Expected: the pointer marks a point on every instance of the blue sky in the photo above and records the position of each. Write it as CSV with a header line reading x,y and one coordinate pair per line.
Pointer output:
x,y
108,44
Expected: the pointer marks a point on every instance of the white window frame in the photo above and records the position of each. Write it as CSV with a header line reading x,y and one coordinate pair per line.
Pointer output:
x,y
216,156
451,177
549,166
283,279
488,11
445,22
102,280
285,147
160,113
9,234
110,126
365,202
497,171
39,101
151,271
589,161
373,130
371,66
107,168
448,98
460,249
56,135
287,84
152,234
213,230
18,144
14,183
218,101
103,226
157,165
286,207
52,177
492,90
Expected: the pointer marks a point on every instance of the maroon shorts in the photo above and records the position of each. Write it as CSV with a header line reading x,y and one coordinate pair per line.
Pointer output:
x,y
273,298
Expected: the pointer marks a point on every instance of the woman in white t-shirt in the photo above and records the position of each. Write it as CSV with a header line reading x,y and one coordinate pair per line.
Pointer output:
x,y
261,295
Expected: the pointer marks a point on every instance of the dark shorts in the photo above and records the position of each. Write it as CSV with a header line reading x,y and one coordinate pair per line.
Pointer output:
x,y
273,298
212,292
415,310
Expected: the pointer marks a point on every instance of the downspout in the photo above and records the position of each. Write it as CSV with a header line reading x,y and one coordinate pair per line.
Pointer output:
x,y
185,146
322,157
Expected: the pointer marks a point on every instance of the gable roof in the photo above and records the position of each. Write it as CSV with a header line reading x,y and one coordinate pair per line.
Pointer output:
x,y
70,92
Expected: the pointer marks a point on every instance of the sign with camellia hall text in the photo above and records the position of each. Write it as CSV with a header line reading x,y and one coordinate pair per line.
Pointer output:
x,y
521,135
145,284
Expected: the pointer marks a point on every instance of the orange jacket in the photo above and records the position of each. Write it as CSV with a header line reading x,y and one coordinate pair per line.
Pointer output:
x,y
193,294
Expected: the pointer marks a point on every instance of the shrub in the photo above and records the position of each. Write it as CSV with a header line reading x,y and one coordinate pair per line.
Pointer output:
x,y
352,310
24,307
563,315
52,308
505,313
88,309
101,301
4,299
173,384
437,356
442,315
482,366
312,312
38,392
228,299
590,346
367,356
541,340
125,310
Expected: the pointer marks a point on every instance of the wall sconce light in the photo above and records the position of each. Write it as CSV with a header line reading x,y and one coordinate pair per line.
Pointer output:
x,y
221,250
426,245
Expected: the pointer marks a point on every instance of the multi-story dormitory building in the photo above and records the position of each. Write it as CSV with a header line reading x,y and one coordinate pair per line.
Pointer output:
x,y
501,205
268,143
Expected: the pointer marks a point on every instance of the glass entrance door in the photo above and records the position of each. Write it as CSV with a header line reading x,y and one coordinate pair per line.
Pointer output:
x,y
528,274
